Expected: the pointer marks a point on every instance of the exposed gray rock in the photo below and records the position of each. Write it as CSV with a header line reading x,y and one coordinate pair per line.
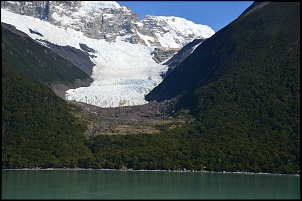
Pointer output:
x,y
86,48
182,54
162,54
76,56
105,23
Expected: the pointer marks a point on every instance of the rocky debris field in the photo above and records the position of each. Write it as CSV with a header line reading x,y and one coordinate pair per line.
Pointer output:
x,y
140,119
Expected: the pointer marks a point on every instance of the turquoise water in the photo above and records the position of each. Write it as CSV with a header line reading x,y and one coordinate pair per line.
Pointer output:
x,y
109,184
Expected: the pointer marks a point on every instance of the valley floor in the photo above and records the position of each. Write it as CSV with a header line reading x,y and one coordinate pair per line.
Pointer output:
x,y
140,119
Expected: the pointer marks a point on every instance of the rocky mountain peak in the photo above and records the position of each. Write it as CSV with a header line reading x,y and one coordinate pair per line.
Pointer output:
x,y
99,20
108,20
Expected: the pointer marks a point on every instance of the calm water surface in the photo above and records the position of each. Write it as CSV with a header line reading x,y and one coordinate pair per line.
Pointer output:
x,y
108,184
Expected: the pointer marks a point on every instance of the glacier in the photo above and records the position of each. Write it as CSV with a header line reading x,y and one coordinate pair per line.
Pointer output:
x,y
123,73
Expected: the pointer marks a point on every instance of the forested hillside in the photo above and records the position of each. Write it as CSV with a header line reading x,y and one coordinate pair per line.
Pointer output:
x,y
38,129
244,87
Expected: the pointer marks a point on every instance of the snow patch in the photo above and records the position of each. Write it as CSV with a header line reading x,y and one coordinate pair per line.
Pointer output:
x,y
64,19
187,27
95,5
145,38
176,29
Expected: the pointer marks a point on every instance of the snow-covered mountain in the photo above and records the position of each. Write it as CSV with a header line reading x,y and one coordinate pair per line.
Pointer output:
x,y
127,53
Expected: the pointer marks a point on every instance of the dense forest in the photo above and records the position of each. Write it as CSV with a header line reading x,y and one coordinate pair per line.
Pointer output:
x,y
241,104
38,129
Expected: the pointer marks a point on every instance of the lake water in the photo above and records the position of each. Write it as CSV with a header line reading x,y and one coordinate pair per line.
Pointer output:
x,y
110,184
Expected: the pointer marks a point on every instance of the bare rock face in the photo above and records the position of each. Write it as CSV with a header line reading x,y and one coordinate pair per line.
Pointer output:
x,y
109,20
162,54
79,58
99,22
38,9
182,54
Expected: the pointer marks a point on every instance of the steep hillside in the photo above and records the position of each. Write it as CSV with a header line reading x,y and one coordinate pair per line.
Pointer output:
x,y
243,86
182,54
39,62
38,129
248,52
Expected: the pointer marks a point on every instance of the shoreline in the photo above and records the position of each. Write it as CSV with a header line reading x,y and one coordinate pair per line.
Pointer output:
x,y
144,170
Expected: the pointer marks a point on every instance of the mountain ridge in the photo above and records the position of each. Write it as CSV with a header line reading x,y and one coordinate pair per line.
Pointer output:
x,y
113,20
